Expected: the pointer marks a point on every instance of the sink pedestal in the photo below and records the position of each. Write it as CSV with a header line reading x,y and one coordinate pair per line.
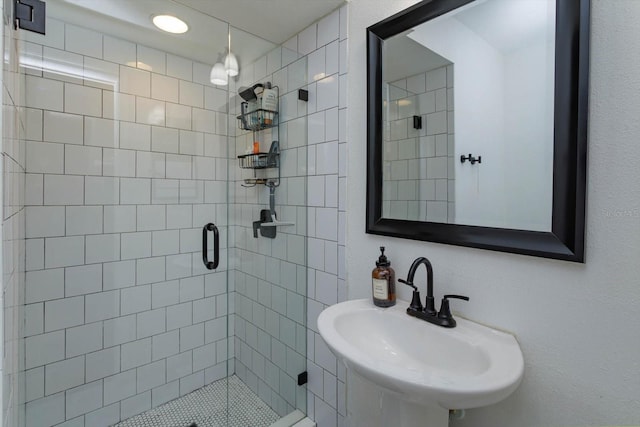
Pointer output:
x,y
373,406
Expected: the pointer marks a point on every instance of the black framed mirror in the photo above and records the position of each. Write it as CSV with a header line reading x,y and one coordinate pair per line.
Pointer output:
x,y
432,174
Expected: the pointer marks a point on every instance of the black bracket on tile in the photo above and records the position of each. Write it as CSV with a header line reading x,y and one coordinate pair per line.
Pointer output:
x,y
302,378
303,95
29,15
417,122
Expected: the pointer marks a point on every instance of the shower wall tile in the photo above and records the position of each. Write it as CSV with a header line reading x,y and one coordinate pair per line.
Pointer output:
x,y
105,416
150,376
83,41
165,345
61,127
134,81
151,59
327,93
45,221
164,88
179,67
126,161
135,191
119,219
82,160
329,28
64,252
150,111
178,116
44,93
82,100
120,386
44,349
44,157
119,330
42,285
82,280
83,220
307,40
135,405
99,74
47,411
84,339
191,94
63,313
118,106
202,74
118,50
418,163
102,306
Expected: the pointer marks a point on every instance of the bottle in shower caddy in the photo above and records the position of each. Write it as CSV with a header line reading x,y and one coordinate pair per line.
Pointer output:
x,y
383,282
269,103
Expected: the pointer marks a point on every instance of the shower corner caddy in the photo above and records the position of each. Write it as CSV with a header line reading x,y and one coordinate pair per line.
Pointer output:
x,y
255,121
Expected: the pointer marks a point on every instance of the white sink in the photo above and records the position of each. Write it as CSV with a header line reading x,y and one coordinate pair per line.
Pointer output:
x,y
464,367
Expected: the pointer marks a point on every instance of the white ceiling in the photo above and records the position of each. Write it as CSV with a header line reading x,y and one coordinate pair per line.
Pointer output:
x,y
257,26
274,20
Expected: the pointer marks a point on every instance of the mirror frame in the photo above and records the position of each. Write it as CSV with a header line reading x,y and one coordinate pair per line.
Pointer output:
x,y
565,241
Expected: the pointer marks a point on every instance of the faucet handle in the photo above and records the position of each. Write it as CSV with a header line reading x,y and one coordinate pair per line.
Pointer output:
x,y
455,296
445,311
408,284
415,299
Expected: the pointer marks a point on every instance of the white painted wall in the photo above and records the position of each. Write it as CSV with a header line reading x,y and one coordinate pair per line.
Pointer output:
x,y
528,136
578,324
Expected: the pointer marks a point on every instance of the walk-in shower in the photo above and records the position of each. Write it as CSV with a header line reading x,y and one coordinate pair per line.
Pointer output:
x,y
130,168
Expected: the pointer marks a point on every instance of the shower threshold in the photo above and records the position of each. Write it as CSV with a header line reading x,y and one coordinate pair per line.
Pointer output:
x,y
207,407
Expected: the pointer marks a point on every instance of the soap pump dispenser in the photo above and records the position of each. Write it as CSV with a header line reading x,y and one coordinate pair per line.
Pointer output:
x,y
383,282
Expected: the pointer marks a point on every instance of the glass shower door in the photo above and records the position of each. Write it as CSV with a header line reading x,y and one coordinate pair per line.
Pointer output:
x,y
127,163
131,154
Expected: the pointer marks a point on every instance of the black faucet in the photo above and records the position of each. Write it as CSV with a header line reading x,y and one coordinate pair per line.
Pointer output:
x,y
430,307
429,313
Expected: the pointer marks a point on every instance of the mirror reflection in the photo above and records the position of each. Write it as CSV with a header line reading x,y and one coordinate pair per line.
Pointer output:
x,y
468,110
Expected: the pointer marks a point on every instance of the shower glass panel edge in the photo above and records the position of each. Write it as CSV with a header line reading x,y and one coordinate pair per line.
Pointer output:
x,y
270,274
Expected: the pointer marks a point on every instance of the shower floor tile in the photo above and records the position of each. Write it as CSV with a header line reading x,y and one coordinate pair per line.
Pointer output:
x,y
207,408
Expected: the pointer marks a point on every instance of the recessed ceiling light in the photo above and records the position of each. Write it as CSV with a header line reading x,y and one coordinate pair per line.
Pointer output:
x,y
170,24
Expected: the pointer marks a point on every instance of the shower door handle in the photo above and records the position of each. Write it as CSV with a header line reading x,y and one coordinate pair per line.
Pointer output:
x,y
211,265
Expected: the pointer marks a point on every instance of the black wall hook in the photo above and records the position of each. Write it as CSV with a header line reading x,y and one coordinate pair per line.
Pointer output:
x,y
472,160
417,122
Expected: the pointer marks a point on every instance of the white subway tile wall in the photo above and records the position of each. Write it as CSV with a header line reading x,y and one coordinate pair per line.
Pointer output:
x,y
273,332
122,169
418,172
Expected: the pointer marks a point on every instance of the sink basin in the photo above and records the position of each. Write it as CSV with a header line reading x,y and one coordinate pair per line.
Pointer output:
x,y
464,367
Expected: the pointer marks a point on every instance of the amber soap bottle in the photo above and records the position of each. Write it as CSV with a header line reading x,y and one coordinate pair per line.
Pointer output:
x,y
383,282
